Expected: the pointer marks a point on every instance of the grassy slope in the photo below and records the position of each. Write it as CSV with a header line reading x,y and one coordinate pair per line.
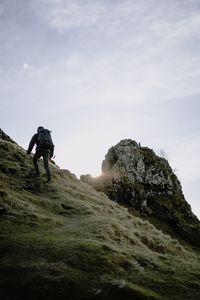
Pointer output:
x,y
64,240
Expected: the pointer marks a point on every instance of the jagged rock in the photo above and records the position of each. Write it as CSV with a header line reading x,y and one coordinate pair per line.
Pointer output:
x,y
136,176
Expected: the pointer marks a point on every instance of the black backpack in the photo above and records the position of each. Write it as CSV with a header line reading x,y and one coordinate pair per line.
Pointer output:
x,y
44,139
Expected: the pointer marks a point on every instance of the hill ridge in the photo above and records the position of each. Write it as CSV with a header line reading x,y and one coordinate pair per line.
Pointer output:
x,y
65,240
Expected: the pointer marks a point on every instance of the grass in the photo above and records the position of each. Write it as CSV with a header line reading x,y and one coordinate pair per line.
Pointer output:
x,y
64,240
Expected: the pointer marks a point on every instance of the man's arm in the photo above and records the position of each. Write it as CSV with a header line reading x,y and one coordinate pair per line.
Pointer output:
x,y
51,151
32,143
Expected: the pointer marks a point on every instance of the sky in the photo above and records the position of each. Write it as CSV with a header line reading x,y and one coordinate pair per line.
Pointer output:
x,y
99,71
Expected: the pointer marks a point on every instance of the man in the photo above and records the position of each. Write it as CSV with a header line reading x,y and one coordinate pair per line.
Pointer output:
x,y
44,148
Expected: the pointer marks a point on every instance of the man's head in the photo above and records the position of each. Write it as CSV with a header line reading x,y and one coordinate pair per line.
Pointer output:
x,y
40,128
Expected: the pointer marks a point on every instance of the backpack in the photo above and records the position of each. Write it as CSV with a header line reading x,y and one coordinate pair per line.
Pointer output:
x,y
44,139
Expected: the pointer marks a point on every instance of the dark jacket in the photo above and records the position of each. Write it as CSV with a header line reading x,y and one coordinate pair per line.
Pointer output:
x,y
34,141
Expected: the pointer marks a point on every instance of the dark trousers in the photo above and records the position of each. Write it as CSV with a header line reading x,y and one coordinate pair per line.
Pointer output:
x,y
46,155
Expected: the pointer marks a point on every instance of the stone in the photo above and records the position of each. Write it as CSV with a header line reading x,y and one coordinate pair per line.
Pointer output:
x,y
135,176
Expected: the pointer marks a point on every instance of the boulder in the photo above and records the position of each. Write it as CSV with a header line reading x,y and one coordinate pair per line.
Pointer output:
x,y
135,176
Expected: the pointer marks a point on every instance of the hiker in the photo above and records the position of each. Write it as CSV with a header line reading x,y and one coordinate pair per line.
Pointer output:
x,y
44,148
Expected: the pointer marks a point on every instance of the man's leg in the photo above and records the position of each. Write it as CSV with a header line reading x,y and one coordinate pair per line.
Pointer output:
x,y
46,157
36,156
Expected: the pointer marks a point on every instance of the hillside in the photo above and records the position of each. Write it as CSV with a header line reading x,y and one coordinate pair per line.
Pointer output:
x,y
65,240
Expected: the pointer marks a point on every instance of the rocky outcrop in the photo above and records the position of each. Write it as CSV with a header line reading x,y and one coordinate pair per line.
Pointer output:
x,y
137,177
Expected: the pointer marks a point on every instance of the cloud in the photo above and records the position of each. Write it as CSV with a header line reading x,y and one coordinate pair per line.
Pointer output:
x,y
68,15
140,49
188,27
27,67
74,15
145,19
185,156
126,50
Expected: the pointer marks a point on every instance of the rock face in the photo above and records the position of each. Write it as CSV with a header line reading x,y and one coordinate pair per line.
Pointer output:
x,y
136,176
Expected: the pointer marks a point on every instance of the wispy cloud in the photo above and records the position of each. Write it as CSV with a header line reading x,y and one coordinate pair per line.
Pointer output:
x,y
27,67
188,27
144,51
72,15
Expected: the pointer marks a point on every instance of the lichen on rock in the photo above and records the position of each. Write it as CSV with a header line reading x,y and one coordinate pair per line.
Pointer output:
x,y
137,177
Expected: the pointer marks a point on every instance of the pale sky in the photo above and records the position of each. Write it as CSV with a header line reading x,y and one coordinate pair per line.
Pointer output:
x,y
99,71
